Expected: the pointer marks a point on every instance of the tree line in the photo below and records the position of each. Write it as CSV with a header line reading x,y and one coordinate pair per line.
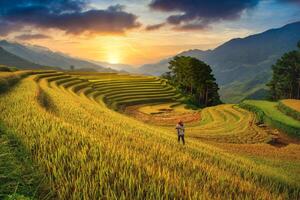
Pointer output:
x,y
285,83
194,79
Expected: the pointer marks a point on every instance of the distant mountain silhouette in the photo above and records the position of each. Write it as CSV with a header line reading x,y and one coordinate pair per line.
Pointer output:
x,y
242,59
11,60
44,56
119,67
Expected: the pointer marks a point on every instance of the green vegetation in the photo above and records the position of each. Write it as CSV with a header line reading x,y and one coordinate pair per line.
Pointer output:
x,y
194,78
268,112
19,177
290,107
8,78
253,88
88,151
285,83
4,68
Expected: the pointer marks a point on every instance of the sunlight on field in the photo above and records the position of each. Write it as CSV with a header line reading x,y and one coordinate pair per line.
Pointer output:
x,y
89,151
165,107
292,103
270,109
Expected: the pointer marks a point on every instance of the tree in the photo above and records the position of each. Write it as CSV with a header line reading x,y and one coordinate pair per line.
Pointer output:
x,y
195,79
285,81
72,67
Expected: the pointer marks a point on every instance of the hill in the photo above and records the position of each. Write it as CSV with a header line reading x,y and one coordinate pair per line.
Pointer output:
x,y
240,60
79,144
44,56
119,67
9,59
161,67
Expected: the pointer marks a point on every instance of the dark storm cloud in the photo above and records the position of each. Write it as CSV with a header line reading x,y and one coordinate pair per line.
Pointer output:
x,y
71,16
32,37
55,6
198,14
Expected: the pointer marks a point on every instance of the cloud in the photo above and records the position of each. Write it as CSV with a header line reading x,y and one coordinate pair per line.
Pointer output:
x,y
290,1
32,37
191,26
6,28
71,16
194,14
154,27
55,6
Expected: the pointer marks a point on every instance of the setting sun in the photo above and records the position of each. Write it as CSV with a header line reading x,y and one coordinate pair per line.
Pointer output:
x,y
113,58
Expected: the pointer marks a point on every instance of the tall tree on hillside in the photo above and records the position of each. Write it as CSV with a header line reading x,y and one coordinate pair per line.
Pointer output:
x,y
285,82
194,78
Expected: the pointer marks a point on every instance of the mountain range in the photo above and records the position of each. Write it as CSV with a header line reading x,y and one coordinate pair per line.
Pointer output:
x,y
8,59
242,66
46,57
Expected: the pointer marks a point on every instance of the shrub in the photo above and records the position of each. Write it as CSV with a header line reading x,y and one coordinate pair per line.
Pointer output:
x,y
7,69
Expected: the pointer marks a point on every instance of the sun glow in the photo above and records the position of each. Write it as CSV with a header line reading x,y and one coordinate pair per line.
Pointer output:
x,y
113,58
112,48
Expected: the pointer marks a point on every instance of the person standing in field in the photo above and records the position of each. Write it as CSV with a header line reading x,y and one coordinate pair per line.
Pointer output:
x,y
180,131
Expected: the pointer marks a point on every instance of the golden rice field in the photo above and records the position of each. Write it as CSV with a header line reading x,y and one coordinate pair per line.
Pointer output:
x,y
290,107
292,103
68,124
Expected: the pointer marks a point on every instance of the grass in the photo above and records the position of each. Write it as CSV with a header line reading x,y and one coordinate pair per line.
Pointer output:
x,y
7,69
224,123
88,151
228,123
292,103
272,115
19,177
7,79
118,91
290,107
231,125
107,88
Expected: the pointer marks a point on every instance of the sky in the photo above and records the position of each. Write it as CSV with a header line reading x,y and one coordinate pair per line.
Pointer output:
x,y
137,32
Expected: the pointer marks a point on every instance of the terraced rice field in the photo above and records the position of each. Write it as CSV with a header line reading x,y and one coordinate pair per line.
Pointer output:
x,y
120,91
293,104
274,116
163,114
228,123
137,94
290,107
87,150
151,100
